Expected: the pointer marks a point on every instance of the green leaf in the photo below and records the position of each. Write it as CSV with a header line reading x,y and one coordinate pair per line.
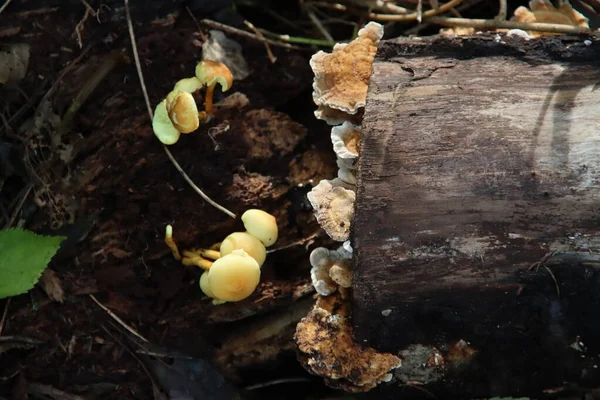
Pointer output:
x,y
24,255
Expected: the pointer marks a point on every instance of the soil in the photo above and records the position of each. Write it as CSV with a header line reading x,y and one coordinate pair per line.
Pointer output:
x,y
115,190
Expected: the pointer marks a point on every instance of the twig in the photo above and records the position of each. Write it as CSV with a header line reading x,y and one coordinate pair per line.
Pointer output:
x,y
313,18
298,39
52,392
4,314
242,33
502,11
6,3
495,24
276,382
18,207
294,244
250,26
138,66
119,320
414,16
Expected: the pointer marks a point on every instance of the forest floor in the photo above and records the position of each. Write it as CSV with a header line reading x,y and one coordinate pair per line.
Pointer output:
x,y
100,177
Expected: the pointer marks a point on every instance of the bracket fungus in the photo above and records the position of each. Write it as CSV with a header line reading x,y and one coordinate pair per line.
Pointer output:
x,y
543,11
342,77
330,269
326,348
334,208
346,140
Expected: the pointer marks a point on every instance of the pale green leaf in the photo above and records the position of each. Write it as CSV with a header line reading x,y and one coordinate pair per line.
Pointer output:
x,y
24,255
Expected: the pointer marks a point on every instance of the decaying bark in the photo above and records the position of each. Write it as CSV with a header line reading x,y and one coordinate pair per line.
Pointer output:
x,y
477,214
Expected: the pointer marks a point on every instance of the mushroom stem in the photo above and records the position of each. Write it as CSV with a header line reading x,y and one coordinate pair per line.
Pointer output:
x,y
197,261
210,254
208,98
171,243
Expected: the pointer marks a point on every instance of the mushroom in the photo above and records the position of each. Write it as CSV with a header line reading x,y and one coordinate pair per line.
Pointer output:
x,y
334,206
244,241
330,268
326,347
175,115
261,225
233,277
346,140
210,73
342,77
347,175
544,11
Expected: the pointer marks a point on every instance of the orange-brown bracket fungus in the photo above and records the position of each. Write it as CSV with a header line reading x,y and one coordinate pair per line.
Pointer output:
x,y
326,348
334,207
342,77
330,269
210,73
544,11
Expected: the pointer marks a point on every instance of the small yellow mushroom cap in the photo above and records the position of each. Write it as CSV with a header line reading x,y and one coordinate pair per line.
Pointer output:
x,y
234,277
209,72
261,225
244,241
183,111
188,85
162,125
204,285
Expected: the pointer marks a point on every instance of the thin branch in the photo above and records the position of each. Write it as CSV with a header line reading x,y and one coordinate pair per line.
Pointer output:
x,y
138,66
495,24
6,3
119,320
270,55
317,23
4,314
414,16
247,35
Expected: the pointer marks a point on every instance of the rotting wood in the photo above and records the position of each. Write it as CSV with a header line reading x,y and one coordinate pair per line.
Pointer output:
x,y
477,211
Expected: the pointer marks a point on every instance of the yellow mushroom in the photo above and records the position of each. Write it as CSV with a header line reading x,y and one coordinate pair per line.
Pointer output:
x,y
233,277
175,115
261,225
204,285
210,73
171,243
244,241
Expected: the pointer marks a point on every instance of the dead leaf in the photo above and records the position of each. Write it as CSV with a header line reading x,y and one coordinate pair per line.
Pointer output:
x,y
14,60
52,285
227,51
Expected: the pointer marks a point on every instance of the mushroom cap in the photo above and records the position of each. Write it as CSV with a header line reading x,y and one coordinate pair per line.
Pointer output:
x,y
244,241
162,125
342,77
327,348
204,285
347,163
234,277
261,225
323,261
346,140
347,175
188,85
211,72
183,111
334,206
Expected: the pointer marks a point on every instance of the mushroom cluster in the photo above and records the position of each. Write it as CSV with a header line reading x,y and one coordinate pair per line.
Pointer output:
x,y
178,112
232,272
340,92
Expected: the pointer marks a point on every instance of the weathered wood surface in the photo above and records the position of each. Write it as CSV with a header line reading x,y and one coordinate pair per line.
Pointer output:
x,y
480,159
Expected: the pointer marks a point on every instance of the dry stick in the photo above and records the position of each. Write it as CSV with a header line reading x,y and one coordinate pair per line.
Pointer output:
x,y
4,315
119,320
495,24
250,26
414,16
6,3
138,66
19,206
242,33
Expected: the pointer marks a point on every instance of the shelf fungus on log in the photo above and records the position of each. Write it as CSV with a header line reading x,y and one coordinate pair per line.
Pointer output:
x,y
326,348
334,207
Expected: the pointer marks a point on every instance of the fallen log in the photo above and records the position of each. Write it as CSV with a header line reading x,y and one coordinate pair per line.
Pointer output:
x,y
476,230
